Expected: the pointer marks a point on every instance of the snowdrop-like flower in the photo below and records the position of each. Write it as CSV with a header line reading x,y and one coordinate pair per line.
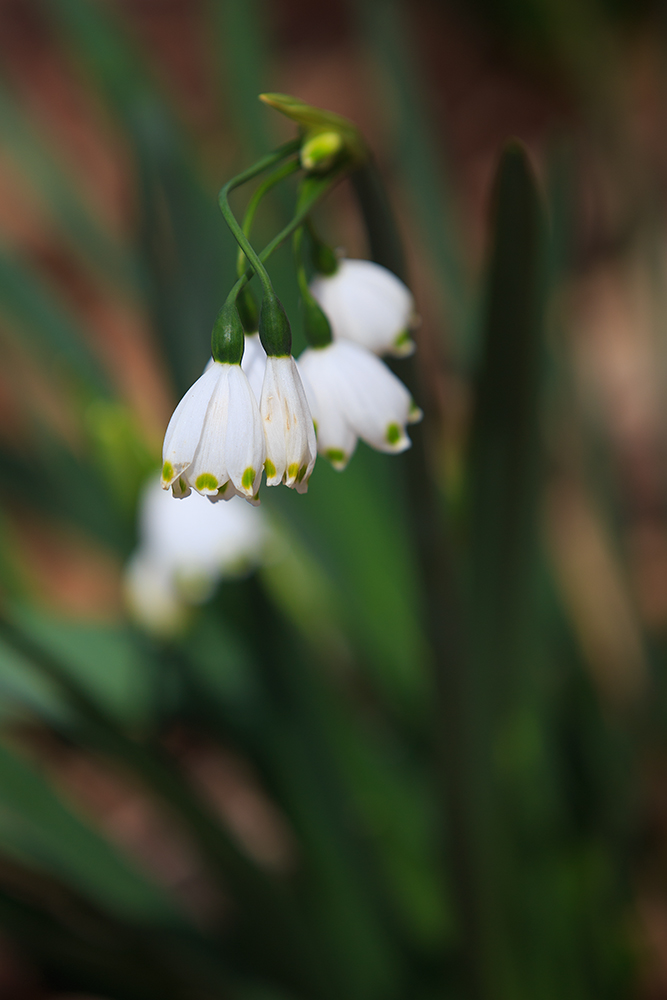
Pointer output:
x,y
215,442
367,304
352,394
291,448
184,550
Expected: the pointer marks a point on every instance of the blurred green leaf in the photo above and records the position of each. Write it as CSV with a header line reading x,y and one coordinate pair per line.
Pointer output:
x,y
75,218
38,828
54,335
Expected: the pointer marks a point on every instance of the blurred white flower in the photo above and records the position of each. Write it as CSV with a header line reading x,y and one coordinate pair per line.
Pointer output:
x,y
367,304
215,442
352,394
291,448
184,550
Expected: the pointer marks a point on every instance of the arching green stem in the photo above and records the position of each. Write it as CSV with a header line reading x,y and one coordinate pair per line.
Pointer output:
x,y
312,189
316,325
267,184
265,163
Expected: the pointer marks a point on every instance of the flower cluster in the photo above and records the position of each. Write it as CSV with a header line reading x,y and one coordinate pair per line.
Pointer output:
x,y
256,409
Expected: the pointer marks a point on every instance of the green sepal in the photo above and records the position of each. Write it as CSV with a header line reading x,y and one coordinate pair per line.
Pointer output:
x,y
227,338
316,124
248,311
315,323
274,329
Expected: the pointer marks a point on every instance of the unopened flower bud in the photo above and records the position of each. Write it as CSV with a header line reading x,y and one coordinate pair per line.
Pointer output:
x,y
321,150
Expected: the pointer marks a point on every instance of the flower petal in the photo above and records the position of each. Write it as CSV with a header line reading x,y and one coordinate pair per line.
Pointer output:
x,y
244,436
375,401
291,448
336,439
208,470
367,304
184,430
254,362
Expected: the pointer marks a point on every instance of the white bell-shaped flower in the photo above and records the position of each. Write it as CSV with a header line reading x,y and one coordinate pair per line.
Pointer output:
x,y
352,394
367,304
215,442
291,448
184,550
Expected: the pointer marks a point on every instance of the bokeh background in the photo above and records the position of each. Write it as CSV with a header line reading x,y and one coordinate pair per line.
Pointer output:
x,y
421,750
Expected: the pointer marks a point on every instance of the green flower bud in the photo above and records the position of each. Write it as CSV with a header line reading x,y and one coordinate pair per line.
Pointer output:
x,y
324,259
227,338
316,325
274,329
321,150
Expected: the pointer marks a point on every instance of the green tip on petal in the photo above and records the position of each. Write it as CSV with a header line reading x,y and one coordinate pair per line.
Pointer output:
x,y
404,344
248,478
269,468
415,414
167,472
223,489
206,481
393,434
337,457
301,473
293,470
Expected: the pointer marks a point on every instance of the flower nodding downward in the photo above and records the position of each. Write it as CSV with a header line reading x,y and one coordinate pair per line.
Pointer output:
x,y
291,448
352,394
214,442
369,305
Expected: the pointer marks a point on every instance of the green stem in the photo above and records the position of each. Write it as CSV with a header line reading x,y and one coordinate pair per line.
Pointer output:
x,y
270,182
316,325
313,189
288,149
301,277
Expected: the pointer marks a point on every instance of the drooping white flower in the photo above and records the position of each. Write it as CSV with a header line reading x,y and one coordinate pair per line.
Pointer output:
x,y
291,448
184,550
215,442
352,394
367,304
